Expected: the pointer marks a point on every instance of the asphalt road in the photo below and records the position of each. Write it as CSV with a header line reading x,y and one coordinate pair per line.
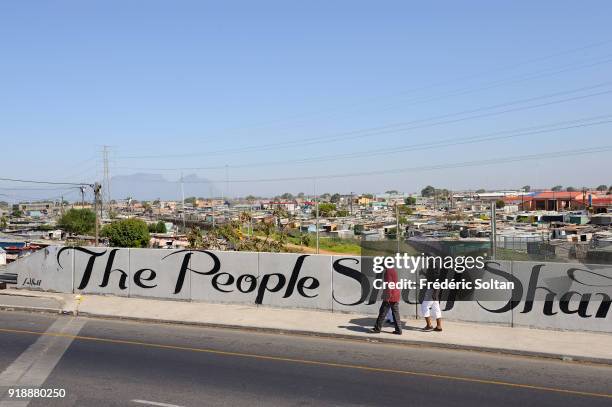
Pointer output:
x,y
117,363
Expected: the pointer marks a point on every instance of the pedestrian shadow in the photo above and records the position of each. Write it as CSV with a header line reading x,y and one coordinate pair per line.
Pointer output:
x,y
365,324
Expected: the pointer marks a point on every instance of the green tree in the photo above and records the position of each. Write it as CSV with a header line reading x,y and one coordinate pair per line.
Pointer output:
x,y
557,188
443,193
404,210
159,227
305,239
428,191
195,238
191,200
335,198
17,213
392,192
499,204
3,222
147,207
287,196
279,212
78,221
342,213
570,189
527,188
410,200
481,191
390,233
602,188
327,209
127,233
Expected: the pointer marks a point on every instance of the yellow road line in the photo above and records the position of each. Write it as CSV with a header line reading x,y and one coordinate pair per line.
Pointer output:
x,y
311,362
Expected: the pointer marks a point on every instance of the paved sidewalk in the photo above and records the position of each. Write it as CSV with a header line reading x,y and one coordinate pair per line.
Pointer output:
x,y
579,346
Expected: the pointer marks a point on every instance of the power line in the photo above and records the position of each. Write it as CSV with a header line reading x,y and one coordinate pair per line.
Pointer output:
x,y
31,189
500,160
502,82
42,182
500,135
476,163
41,199
398,127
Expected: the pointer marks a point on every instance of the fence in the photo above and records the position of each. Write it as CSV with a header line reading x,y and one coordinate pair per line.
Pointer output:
x,y
575,298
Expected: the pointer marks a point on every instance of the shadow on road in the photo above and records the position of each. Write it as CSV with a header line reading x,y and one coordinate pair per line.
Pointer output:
x,y
365,324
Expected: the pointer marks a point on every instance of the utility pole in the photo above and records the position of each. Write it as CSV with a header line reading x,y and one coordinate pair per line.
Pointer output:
x,y
183,201
62,205
82,188
351,204
212,206
250,218
397,227
493,232
227,181
106,182
96,188
317,211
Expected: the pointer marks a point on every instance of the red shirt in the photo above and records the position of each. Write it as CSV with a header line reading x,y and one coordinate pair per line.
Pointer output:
x,y
391,294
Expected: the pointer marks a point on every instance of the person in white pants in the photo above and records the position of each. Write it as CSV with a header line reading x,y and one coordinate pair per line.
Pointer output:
x,y
431,305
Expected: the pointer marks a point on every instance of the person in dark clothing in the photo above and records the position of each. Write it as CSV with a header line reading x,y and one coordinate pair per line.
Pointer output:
x,y
391,298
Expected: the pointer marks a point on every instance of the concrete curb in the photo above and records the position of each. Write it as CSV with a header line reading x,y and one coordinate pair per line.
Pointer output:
x,y
5,307
373,339
42,294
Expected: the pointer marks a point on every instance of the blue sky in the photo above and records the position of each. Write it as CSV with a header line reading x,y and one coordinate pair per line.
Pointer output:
x,y
183,82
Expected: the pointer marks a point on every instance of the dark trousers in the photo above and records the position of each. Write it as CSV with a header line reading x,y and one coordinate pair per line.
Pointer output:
x,y
384,308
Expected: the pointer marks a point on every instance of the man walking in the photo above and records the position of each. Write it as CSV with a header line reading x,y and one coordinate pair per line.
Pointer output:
x,y
391,298
431,303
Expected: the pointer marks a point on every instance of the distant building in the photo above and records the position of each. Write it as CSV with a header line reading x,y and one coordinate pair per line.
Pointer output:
x,y
364,200
37,209
289,206
562,201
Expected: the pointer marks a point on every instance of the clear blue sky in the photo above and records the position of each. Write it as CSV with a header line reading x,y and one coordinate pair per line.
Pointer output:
x,y
153,78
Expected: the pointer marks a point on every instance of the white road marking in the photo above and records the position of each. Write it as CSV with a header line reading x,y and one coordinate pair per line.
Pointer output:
x,y
32,368
154,403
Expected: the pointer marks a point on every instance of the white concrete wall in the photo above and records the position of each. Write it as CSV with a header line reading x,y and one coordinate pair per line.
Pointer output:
x,y
333,283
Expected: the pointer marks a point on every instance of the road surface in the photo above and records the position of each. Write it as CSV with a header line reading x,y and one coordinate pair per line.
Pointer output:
x,y
120,363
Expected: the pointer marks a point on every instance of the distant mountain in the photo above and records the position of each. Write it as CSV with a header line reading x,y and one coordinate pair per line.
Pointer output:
x,y
145,186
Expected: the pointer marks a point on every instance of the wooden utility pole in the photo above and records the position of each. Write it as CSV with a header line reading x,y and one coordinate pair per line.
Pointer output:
x,y
82,197
317,212
397,227
97,187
